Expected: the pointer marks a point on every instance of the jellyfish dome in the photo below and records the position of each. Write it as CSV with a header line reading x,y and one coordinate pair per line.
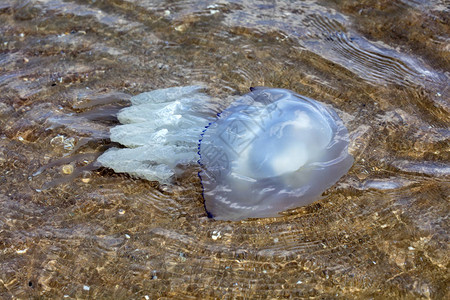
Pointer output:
x,y
269,151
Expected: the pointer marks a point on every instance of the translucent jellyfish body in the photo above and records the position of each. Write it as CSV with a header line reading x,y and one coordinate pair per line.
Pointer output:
x,y
269,151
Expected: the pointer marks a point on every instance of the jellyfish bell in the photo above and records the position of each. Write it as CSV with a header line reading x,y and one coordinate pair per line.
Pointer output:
x,y
269,151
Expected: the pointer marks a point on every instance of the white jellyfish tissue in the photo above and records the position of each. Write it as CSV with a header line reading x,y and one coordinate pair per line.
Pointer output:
x,y
269,151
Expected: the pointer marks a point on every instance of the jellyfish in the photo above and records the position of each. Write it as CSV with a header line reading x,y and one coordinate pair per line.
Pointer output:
x,y
269,151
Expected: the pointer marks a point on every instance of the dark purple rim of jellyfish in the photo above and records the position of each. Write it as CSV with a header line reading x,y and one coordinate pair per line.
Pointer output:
x,y
210,215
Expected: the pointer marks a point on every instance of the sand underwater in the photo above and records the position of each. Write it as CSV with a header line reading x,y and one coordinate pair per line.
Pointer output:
x,y
72,230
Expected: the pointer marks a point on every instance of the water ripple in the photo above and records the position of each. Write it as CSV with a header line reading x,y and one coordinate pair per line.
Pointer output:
x,y
67,66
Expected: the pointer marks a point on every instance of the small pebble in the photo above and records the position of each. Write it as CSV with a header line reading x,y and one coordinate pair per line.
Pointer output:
x,y
181,28
69,143
86,177
181,256
67,169
216,235
57,140
154,276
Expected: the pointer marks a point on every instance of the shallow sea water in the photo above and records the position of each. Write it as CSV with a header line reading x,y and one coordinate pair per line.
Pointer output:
x,y
69,229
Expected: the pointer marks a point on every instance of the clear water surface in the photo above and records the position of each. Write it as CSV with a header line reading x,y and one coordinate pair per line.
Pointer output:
x,y
69,229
